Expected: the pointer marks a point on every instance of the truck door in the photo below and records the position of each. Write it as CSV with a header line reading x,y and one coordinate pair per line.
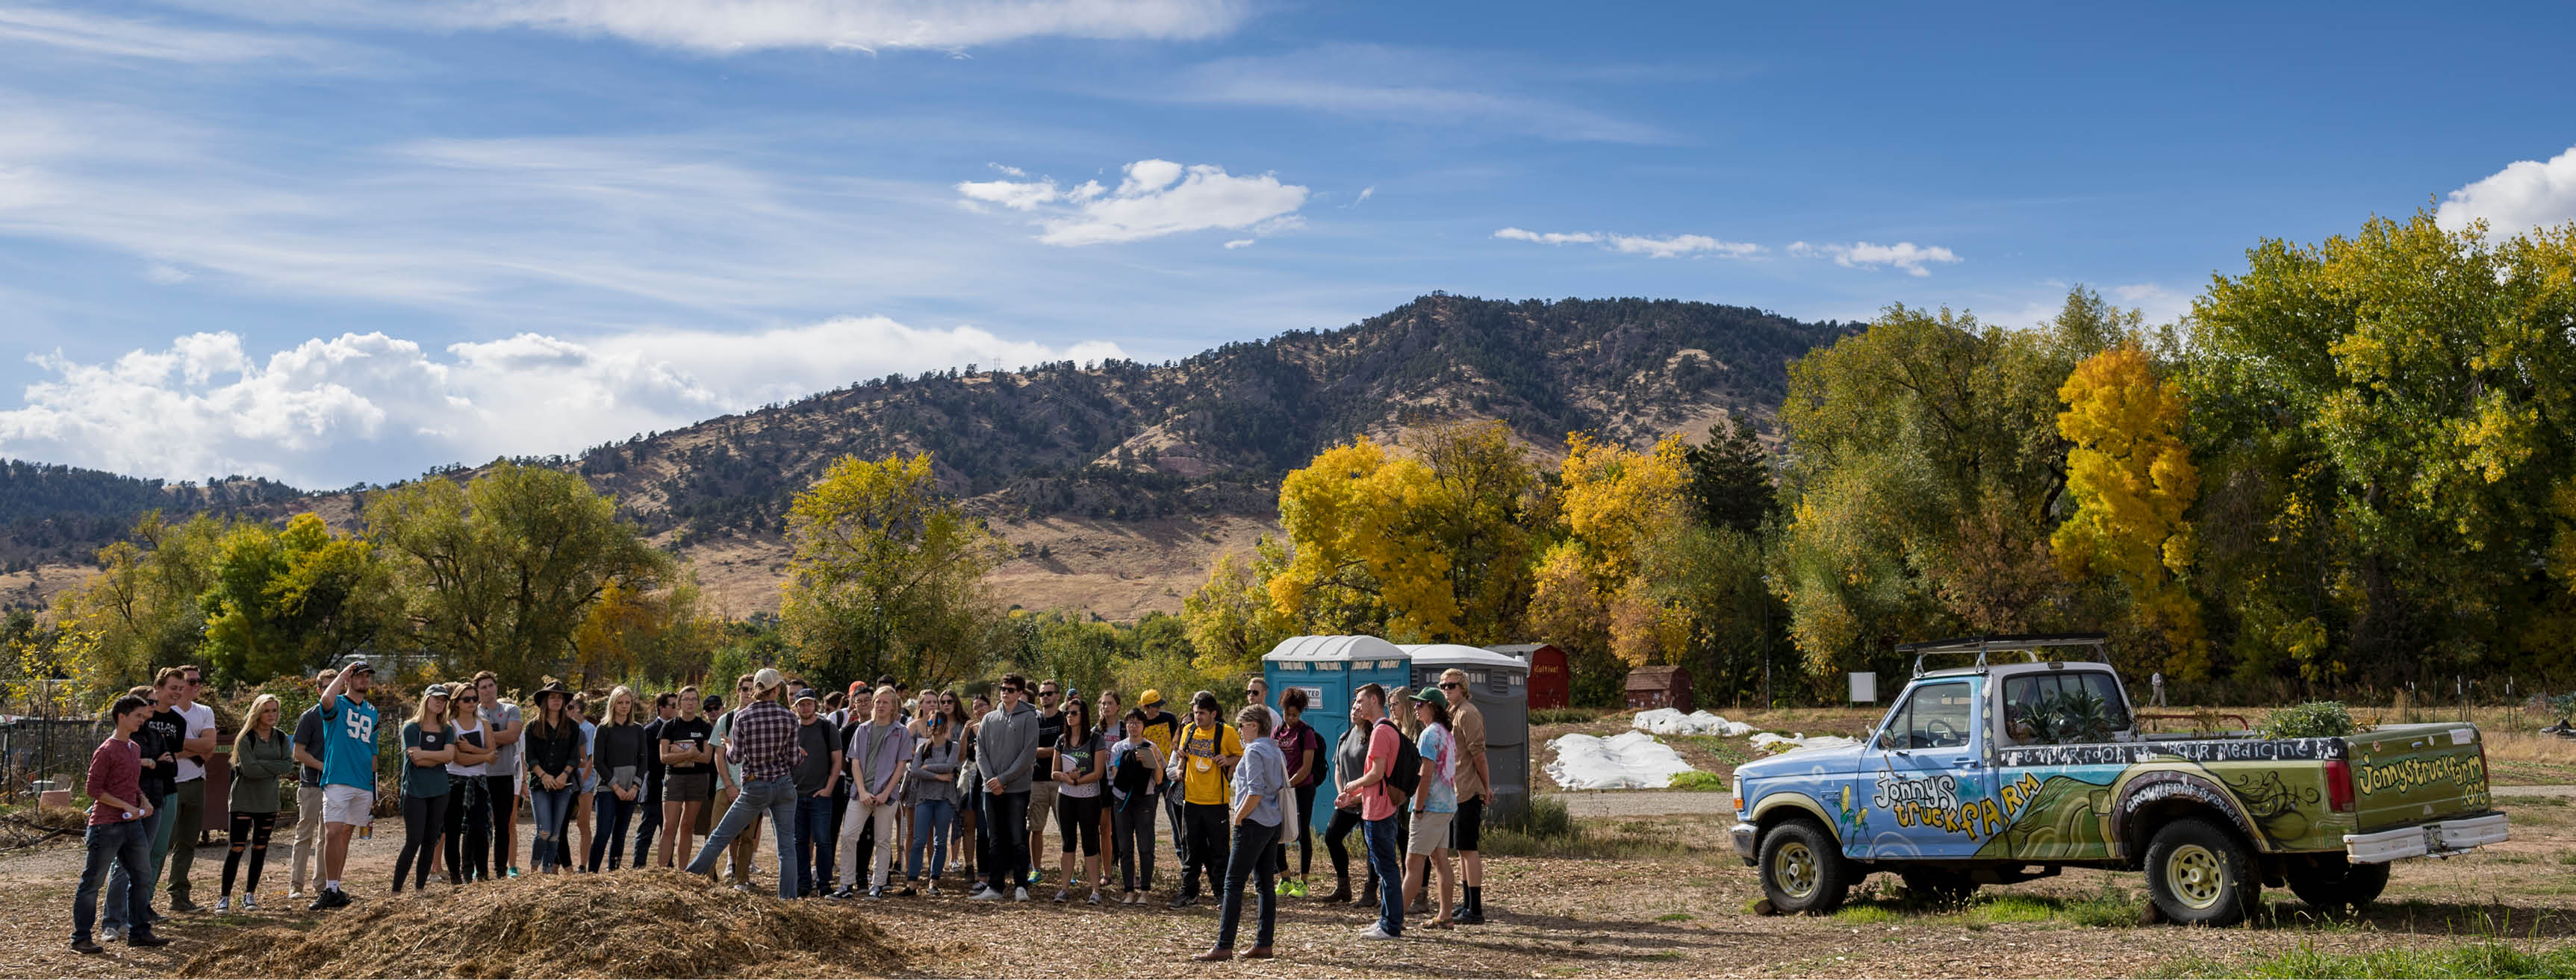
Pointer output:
x,y
1922,779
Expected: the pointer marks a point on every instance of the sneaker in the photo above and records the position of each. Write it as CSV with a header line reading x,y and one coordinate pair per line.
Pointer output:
x,y
250,903
86,947
142,940
514,871
877,892
223,903
932,891
1060,896
1093,900
113,934
1184,900
1375,932
984,895
1036,876
295,894
1020,895
908,891
742,886
180,904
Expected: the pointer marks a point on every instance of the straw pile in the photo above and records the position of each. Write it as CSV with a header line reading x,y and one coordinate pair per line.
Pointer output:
x,y
628,924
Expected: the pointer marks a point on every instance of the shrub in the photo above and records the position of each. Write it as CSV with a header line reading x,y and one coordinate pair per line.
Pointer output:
x,y
1704,782
1564,716
2313,719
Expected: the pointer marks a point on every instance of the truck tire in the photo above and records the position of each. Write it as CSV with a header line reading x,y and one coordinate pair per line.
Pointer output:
x,y
2333,884
1802,869
1943,889
2198,874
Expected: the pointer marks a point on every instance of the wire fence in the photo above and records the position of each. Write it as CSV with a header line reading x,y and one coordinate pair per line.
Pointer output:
x,y
44,735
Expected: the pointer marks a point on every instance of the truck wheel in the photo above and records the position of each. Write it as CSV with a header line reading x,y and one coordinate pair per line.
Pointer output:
x,y
2198,874
2333,884
1941,888
1802,870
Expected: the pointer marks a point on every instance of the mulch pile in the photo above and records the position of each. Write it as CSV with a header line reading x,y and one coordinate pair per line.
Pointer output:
x,y
629,924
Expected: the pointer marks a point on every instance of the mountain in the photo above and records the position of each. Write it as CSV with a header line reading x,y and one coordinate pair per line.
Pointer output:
x,y
1119,481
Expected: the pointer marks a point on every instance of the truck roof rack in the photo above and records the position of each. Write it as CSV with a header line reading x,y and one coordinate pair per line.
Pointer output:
x,y
2028,643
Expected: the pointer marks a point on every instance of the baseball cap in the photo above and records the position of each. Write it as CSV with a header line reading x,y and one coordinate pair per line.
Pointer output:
x,y
806,694
768,679
1426,696
358,667
435,691
1150,696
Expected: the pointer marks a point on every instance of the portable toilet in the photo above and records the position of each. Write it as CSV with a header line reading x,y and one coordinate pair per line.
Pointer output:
x,y
1330,669
1498,684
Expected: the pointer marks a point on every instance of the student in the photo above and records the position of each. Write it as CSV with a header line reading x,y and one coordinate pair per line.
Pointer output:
x,y
618,768
1209,749
260,758
1304,749
307,750
937,756
1257,691
554,774
689,782
666,706
348,774
502,784
763,743
818,779
1435,803
1255,817
1350,758
429,744
1164,730
1399,712
1378,805
970,782
1078,755
1135,776
1007,741
746,844
1475,793
177,838
1042,788
119,829
162,737
582,804
1110,725
877,752
466,840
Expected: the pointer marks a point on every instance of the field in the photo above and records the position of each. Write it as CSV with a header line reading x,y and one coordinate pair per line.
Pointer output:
x,y
1645,886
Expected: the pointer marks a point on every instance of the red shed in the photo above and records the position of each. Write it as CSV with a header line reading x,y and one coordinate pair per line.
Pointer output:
x,y
1549,684
1659,687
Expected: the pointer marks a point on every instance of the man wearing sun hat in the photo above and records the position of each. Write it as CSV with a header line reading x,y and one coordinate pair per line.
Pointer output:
x,y
763,743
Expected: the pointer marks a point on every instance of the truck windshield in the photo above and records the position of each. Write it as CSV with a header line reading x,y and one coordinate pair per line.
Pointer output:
x,y
1934,716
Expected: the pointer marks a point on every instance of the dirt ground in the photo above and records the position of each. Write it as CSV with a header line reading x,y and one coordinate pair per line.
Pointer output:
x,y
1650,889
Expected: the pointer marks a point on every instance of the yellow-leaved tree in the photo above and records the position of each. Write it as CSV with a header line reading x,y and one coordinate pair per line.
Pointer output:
x,y
1361,553
2133,483
1615,505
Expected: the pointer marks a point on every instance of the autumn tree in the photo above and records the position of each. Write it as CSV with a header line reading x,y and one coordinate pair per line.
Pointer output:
x,y
887,574
1361,554
1592,595
1230,621
142,611
2132,482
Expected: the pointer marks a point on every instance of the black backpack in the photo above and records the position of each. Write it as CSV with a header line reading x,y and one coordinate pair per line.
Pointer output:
x,y
1407,774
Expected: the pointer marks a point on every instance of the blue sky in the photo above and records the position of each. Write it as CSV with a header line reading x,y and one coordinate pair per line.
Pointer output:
x,y
329,241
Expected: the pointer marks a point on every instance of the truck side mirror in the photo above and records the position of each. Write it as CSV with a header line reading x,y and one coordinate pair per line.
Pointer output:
x,y
1887,741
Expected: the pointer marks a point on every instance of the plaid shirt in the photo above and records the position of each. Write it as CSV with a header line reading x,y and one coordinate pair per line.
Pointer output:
x,y
764,741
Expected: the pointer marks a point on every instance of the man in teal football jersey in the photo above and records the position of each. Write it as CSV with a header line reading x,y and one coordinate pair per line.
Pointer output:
x,y
348,773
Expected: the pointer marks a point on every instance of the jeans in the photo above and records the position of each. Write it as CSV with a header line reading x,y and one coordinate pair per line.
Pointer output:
x,y
128,847
308,835
1256,858
612,815
249,833
930,822
1006,826
1207,851
551,807
774,798
180,841
1132,829
117,876
468,836
864,818
1382,852
424,818
648,829
816,839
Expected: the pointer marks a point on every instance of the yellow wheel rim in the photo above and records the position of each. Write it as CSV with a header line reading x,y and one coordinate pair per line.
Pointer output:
x,y
1793,869
2196,875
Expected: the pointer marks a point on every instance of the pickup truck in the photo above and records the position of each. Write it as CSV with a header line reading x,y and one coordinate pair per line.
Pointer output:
x,y
2007,772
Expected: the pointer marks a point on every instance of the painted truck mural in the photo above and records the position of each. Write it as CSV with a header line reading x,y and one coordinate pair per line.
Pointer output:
x,y
2000,773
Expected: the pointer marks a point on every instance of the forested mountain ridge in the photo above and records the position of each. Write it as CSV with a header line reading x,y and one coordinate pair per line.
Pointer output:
x,y
1126,475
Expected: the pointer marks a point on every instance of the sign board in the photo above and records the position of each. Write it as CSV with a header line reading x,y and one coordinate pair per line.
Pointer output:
x,y
1864,687
1314,697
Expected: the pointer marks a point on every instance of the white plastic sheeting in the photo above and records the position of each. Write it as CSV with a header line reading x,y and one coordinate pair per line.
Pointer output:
x,y
1666,721
1629,760
1776,743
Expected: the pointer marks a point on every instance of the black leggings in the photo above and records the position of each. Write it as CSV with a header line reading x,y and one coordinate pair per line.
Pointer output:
x,y
1344,821
1078,816
423,818
1305,832
249,830
468,834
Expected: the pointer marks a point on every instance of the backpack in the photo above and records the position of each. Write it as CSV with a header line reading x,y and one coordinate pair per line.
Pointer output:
x,y
1407,774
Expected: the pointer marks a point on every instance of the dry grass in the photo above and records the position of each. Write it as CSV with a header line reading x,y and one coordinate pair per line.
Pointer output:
x,y
651,924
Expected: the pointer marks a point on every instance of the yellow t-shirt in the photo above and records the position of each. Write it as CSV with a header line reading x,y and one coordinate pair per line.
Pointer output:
x,y
1201,777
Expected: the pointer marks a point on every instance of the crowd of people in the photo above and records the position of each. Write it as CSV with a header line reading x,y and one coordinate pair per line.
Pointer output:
x,y
855,787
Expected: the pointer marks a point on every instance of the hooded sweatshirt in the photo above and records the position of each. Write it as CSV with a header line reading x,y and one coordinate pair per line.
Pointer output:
x,y
1007,745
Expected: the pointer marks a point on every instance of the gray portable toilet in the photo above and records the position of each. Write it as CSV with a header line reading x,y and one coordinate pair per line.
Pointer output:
x,y
1331,669
1498,684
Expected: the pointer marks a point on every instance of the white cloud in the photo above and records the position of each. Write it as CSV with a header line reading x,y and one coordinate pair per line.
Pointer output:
x,y
1240,243
1863,255
1157,198
1676,246
2155,302
1413,87
1365,193
328,413
119,37
2526,194
735,26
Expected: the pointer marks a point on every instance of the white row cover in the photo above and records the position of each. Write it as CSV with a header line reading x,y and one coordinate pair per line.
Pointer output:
x,y
1666,721
1630,760
1777,744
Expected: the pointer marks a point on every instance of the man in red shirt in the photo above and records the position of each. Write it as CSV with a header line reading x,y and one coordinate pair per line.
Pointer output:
x,y
1378,807
118,832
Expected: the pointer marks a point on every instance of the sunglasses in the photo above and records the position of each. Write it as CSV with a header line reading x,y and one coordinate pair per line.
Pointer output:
x,y
1049,694
1449,685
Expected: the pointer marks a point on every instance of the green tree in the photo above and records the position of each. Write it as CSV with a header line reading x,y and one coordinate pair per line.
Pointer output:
x,y
293,600
141,612
1230,621
887,575
1730,478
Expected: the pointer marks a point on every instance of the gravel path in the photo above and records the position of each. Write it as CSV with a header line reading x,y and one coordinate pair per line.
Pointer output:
x,y
1645,802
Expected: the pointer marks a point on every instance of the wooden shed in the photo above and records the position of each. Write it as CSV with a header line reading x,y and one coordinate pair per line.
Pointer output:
x,y
1659,687
1549,684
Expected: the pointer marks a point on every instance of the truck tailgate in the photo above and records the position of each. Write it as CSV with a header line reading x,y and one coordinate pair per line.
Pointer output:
x,y
2408,774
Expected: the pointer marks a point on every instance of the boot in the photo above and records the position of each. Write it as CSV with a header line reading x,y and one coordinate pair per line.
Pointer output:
x,y
1368,895
1342,888
1471,912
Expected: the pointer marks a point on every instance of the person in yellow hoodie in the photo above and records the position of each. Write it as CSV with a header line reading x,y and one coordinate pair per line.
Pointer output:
x,y
1208,751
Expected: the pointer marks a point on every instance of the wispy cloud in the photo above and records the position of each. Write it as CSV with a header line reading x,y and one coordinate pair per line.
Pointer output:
x,y
2526,194
734,26
1415,87
1157,198
159,40
1862,255
1671,247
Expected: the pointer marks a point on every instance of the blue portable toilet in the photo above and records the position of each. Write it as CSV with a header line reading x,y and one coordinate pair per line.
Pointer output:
x,y
1498,685
1330,669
